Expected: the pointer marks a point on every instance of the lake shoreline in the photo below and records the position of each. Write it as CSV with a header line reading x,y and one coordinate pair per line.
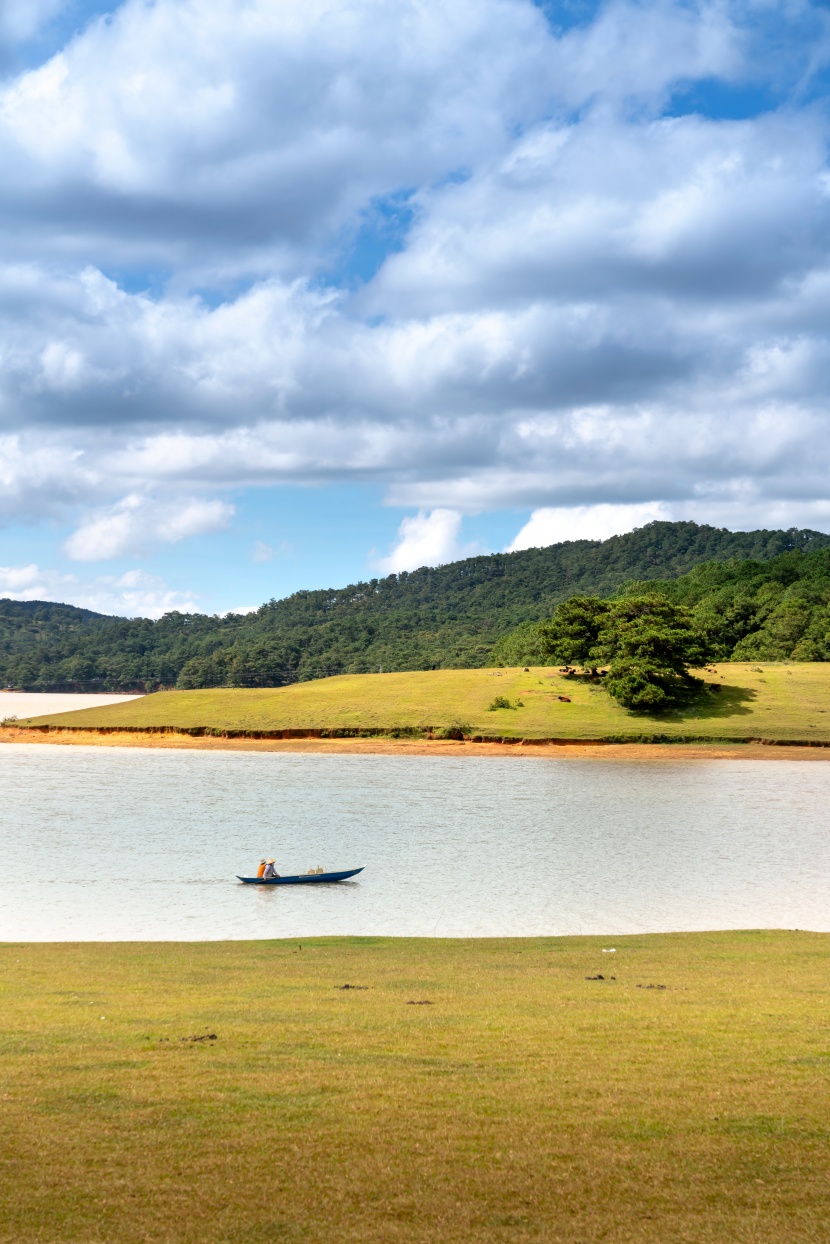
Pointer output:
x,y
572,749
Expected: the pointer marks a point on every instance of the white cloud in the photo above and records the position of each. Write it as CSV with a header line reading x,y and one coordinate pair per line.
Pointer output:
x,y
136,523
638,51
591,299
244,134
609,208
262,552
19,579
43,474
133,594
748,509
427,540
738,509
553,524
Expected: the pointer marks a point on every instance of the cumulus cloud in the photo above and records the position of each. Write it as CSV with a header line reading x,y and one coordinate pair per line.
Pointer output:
x,y
242,135
136,523
596,296
746,510
19,579
553,524
133,594
684,208
427,539
43,475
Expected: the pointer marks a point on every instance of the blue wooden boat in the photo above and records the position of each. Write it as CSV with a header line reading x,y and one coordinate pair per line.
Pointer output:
x,y
302,879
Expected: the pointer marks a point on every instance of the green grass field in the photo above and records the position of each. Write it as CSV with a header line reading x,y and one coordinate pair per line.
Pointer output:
x,y
525,1103
775,701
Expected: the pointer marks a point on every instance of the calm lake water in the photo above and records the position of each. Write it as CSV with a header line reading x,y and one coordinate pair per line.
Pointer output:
x,y
130,843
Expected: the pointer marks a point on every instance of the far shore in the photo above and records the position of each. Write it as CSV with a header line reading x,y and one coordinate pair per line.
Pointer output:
x,y
566,749
536,711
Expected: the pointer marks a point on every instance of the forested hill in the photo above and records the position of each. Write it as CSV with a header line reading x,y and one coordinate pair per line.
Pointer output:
x,y
777,610
449,616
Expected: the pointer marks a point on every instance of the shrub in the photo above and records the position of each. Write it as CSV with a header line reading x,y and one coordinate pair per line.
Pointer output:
x,y
501,701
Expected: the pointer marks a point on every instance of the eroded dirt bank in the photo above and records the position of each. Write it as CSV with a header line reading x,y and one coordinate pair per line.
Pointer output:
x,y
572,750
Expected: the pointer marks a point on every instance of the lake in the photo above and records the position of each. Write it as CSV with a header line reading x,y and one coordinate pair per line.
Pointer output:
x,y
99,843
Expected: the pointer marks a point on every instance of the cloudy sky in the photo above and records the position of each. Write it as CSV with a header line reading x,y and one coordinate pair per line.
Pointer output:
x,y
295,292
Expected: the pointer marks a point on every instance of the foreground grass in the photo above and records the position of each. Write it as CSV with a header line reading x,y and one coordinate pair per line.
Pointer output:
x,y
776,701
525,1103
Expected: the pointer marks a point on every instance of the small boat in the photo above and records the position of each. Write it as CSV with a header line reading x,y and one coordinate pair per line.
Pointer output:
x,y
302,879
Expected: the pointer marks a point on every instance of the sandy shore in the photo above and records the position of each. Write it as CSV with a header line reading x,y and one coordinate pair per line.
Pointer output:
x,y
414,747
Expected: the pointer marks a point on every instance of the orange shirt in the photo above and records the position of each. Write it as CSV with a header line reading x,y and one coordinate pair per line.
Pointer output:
x,y
260,870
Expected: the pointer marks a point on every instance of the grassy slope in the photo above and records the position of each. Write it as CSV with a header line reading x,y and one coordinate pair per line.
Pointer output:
x,y
782,701
527,1103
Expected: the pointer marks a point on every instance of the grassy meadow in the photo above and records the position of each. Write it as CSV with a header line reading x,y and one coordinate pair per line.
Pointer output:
x,y
775,701
683,1101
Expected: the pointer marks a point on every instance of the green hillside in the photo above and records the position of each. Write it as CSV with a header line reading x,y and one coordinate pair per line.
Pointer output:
x,y
445,617
775,610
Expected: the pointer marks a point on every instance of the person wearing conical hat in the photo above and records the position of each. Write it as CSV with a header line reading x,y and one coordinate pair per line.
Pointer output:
x,y
261,868
270,871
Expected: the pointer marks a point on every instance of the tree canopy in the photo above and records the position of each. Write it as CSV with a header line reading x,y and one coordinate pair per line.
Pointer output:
x,y
577,632
648,644
747,610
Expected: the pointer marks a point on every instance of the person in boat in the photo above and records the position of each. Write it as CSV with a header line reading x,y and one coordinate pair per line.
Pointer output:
x,y
270,871
261,869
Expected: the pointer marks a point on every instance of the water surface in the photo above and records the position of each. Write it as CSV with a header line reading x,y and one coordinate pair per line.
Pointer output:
x,y
99,843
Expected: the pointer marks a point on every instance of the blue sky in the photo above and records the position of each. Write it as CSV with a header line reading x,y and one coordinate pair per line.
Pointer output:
x,y
293,294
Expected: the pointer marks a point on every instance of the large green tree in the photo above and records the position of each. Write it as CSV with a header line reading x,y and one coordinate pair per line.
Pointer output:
x,y
648,644
651,645
573,635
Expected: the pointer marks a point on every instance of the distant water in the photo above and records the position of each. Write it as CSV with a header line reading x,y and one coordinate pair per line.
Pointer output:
x,y
132,843
39,703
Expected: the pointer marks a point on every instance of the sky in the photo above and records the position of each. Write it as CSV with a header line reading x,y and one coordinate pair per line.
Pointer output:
x,y
295,293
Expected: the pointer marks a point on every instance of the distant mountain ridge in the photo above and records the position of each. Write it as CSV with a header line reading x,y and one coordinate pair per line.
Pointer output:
x,y
445,616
